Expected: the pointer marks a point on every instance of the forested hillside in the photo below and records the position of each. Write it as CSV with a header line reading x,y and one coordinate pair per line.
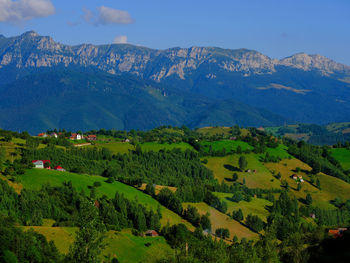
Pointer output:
x,y
216,194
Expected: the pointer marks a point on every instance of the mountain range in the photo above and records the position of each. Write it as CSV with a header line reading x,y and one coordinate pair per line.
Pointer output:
x,y
46,84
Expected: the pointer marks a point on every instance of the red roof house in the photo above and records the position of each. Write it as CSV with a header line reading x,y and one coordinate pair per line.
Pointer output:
x,y
59,168
152,233
337,232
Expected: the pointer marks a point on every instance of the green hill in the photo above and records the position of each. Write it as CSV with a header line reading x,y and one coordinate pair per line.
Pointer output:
x,y
36,178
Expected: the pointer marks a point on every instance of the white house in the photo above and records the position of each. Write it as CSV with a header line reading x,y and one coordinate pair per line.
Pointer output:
x,y
76,136
40,163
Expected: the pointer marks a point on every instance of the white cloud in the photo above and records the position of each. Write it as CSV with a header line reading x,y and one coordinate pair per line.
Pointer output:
x,y
120,40
21,10
106,15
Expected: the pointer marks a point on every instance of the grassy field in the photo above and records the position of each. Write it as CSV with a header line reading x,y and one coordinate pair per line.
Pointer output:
x,y
158,188
280,151
343,156
256,207
224,167
211,131
130,248
116,147
35,178
63,237
153,146
123,245
331,187
219,220
225,144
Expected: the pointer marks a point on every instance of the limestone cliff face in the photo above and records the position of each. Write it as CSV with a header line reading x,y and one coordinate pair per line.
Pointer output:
x,y
33,51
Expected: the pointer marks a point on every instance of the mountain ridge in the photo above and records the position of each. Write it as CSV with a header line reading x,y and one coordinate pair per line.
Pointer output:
x,y
120,58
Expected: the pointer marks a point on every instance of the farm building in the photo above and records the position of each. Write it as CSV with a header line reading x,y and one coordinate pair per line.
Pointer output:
x,y
59,168
151,233
298,177
91,137
76,136
54,135
40,163
338,232
97,204
43,135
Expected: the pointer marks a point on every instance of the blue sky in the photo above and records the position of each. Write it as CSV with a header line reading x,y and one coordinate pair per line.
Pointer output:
x,y
277,28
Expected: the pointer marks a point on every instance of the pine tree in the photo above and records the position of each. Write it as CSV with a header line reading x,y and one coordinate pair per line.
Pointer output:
x,y
89,239
242,162
318,183
308,199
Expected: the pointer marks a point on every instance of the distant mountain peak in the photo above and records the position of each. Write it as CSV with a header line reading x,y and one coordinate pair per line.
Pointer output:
x,y
30,33
314,62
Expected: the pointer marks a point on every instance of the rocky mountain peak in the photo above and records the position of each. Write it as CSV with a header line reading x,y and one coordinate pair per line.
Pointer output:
x,y
30,34
314,62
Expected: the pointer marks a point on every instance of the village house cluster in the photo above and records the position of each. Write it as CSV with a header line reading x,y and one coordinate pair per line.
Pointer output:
x,y
298,178
46,164
45,135
74,136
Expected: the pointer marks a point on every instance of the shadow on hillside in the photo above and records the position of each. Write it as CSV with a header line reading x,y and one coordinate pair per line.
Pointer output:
x,y
302,200
245,225
231,168
301,170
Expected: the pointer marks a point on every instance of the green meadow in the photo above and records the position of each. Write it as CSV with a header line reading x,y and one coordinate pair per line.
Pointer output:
x,y
343,156
116,147
280,151
153,146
